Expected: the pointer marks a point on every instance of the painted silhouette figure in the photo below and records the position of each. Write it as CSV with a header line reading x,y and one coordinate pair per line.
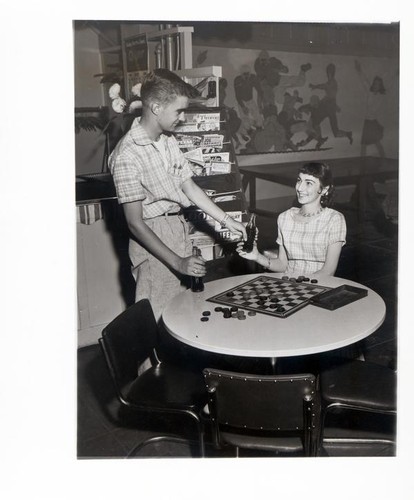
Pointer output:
x,y
274,80
244,86
290,117
268,70
329,107
273,136
230,114
372,134
313,126
373,131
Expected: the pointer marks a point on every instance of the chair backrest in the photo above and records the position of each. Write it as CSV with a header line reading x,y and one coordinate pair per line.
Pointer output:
x,y
282,403
128,340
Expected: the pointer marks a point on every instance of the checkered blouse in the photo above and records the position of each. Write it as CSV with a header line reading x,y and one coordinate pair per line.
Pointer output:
x,y
141,173
306,243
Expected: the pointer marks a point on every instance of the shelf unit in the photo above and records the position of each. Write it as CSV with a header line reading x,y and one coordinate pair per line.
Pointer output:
x,y
217,174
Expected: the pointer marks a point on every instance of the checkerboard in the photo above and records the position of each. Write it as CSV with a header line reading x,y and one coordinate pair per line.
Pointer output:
x,y
268,295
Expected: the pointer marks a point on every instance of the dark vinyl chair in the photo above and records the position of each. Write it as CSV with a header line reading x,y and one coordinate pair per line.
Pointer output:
x,y
360,398
275,413
163,390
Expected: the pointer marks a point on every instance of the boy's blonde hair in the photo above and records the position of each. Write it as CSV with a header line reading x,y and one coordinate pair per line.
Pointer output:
x,y
163,86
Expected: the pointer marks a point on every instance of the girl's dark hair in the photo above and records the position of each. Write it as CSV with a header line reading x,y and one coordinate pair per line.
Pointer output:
x,y
163,86
321,171
381,87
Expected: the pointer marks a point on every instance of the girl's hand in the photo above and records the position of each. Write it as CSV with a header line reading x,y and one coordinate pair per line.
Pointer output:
x,y
236,227
192,266
253,255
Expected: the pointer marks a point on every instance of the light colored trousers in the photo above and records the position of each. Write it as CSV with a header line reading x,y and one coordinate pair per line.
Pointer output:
x,y
154,280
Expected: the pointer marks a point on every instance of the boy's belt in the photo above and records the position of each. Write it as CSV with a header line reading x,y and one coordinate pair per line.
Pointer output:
x,y
174,213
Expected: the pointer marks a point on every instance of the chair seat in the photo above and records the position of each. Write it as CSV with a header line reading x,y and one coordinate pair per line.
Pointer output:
x,y
360,384
332,433
168,385
358,449
254,442
339,441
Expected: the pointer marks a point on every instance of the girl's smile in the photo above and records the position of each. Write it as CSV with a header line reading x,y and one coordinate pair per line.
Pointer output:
x,y
308,189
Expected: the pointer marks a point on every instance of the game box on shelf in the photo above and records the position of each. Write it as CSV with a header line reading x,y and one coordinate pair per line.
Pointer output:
x,y
205,141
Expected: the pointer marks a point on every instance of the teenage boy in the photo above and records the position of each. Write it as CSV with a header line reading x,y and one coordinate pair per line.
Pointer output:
x,y
153,182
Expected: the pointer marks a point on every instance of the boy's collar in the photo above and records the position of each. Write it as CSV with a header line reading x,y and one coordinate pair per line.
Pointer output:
x,y
140,136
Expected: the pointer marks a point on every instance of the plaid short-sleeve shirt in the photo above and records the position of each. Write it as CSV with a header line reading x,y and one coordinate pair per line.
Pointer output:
x,y
142,173
306,243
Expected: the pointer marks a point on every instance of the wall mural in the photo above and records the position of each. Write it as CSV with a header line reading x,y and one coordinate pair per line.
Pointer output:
x,y
270,113
288,102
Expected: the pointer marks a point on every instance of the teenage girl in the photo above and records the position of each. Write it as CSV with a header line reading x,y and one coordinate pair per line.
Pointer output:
x,y
310,237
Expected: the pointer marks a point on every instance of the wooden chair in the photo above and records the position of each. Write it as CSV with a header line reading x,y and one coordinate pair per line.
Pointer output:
x,y
272,413
163,390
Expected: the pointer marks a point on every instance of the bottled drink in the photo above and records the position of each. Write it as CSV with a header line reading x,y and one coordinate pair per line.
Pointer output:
x,y
197,284
251,234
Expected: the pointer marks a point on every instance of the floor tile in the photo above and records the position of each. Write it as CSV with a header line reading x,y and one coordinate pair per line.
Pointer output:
x,y
103,446
91,422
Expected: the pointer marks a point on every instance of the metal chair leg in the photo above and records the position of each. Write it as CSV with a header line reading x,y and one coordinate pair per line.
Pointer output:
x,y
158,439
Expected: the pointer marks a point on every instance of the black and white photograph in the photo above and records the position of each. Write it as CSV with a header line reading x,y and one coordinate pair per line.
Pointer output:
x,y
260,320
222,201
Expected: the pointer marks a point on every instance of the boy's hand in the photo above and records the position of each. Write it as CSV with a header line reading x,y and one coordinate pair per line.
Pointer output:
x,y
192,266
236,227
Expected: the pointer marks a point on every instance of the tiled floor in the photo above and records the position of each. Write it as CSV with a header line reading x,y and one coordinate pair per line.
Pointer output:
x,y
370,258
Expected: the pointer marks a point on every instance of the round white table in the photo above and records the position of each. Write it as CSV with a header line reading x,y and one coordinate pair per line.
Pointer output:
x,y
310,330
